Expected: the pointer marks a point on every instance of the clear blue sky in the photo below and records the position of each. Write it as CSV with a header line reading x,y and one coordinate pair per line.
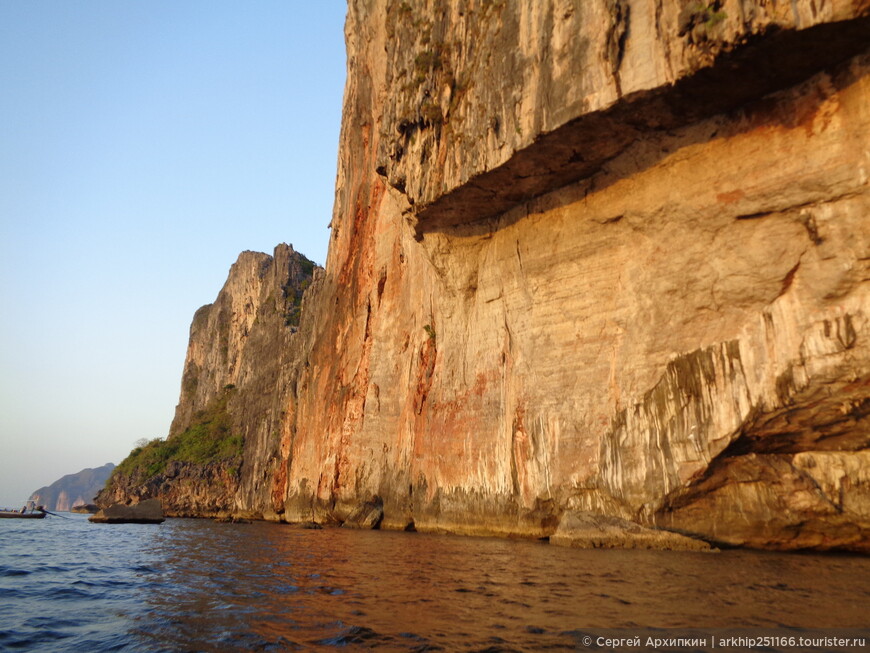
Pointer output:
x,y
143,145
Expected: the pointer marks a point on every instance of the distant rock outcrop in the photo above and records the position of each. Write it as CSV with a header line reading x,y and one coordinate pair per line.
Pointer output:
x,y
85,508
146,512
73,489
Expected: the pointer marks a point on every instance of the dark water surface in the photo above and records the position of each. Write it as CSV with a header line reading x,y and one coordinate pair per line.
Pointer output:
x,y
196,585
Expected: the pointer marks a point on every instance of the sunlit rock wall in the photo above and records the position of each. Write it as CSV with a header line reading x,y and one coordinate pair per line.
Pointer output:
x,y
596,256
592,265
240,350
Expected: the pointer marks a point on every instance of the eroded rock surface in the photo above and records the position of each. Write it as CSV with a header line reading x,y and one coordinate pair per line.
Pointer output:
x,y
146,512
494,103
691,290
594,531
811,500
233,388
368,516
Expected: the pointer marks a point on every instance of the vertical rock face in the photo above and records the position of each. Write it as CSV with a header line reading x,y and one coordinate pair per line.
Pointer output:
x,y
600,257
225,434
257,310
596,258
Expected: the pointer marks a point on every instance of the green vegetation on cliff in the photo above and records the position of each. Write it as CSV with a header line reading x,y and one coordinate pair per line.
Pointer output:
x,y
209,439
294,291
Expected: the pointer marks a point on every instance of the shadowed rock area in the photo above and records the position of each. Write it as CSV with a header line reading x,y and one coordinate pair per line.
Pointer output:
x,y
144,512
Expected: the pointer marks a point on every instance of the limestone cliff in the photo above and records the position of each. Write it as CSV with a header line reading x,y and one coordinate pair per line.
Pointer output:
x,y
591,262
231,392
610,251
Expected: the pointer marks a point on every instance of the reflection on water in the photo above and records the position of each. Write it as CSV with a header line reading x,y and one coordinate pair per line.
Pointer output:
x,y
285,586
197,585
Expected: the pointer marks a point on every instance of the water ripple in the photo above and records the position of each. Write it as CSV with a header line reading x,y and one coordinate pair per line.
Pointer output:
x,y
196,585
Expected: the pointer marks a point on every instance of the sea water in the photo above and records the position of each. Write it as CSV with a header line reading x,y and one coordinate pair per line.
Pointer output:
x,y
197,585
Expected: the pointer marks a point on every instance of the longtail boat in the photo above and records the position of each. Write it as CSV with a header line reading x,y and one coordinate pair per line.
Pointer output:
x,y
17,514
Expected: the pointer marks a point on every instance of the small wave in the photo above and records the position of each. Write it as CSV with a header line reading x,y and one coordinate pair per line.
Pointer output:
x,y
144,569
19,593
68,592
8,573
248,641
31,639
106,643
353,635
97,584
418,643
89,583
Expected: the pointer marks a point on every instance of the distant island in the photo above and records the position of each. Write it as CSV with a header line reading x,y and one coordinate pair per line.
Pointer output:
x,y
73,489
